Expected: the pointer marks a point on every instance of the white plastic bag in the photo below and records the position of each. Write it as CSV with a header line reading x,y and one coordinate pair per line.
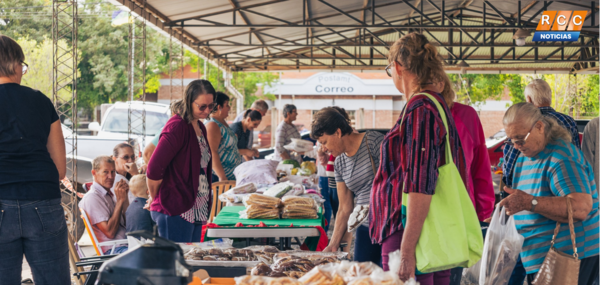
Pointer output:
x,y
258,171
500,252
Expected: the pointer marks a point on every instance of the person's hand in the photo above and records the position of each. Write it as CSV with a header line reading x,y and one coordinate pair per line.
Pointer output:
x,y
121,190
148,203
255,153
221,179
516,201
143,169
131,168
408,264
488,220
331,248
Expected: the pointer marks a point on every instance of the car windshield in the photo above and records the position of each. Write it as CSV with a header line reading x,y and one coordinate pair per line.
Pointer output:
x,y
116,121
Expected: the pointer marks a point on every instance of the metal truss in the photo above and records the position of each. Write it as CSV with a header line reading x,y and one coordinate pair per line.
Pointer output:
x,y
360,37
136,119
64,97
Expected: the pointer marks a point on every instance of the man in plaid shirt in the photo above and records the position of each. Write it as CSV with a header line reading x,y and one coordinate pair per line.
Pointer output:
x,y
539,94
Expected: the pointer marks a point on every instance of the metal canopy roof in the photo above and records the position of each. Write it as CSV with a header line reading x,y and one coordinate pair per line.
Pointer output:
x,y
259,35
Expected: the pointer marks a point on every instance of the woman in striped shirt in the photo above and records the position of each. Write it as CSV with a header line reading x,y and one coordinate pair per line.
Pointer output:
x,y
222,141
411,154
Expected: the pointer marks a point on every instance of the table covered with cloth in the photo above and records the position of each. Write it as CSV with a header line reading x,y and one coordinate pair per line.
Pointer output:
x,y
229,218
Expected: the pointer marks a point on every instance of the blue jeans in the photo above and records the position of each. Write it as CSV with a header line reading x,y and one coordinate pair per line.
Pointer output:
x,y
176,229
38,230
332,203
364,250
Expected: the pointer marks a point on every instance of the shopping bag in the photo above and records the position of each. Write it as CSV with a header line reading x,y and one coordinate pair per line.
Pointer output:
x,y
500,252
451,235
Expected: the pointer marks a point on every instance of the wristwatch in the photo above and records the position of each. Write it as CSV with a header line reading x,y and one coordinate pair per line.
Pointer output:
x,y
534,203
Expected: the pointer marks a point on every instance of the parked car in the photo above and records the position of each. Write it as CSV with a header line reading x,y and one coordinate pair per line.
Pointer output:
x,y
262,139
115,122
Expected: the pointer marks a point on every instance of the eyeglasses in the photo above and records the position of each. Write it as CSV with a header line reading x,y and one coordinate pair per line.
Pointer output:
x,y
520,142
25,68
128,157
210,106
388,69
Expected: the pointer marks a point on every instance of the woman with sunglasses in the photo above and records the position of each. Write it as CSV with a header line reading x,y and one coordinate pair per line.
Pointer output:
x,y
411,154
32,162
178,174
549,170
223,141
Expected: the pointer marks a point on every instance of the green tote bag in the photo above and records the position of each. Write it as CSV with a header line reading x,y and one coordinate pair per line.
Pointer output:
x,y
451,235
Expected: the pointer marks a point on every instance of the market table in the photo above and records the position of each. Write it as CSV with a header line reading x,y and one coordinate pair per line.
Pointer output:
x,y
229,217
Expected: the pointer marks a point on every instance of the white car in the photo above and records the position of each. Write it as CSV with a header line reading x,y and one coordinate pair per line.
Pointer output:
x,y
115,121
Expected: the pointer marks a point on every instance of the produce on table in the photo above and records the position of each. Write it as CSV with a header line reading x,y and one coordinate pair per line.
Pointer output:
x,y
310,166
279,189
292,162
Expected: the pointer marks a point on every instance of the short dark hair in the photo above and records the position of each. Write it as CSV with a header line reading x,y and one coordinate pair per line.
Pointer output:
x,y
11,54
253,114
192,91
328,121
120,146
287,109
220,99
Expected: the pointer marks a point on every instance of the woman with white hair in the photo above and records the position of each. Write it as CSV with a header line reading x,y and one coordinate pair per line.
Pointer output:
x,y
549,170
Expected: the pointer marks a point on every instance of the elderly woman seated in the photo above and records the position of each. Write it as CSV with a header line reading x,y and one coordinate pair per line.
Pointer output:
x,y
549,169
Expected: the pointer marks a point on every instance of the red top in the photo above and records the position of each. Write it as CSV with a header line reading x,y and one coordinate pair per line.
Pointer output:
x,y
479,174
176,161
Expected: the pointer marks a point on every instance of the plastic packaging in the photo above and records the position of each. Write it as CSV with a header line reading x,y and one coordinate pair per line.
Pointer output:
x,y
501,250
279,190
318,198
262,201
231,197
359,216
361,269
310,255
261,280
244,189
299,202
258,171
296,191
259,212
326,274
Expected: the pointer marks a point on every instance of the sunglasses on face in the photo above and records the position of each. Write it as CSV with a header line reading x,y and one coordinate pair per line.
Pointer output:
x,y
126,157
210,106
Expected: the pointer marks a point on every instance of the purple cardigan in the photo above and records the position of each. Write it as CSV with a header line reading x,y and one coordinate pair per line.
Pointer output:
x,y
176,161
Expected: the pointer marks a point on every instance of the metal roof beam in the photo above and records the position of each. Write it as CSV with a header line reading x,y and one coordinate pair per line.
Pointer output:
x,y
508,20
168,23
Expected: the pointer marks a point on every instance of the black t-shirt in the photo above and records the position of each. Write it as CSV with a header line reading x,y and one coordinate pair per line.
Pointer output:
x,y
242,136
26,170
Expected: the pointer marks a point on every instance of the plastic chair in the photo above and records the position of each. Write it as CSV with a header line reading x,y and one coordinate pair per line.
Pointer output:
x,y
98,245
219,188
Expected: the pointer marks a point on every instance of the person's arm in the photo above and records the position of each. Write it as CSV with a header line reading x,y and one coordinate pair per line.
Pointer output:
x,y
56,148
553,208
417,210
346,207
148,152
170,143
214,139
588,145
111,227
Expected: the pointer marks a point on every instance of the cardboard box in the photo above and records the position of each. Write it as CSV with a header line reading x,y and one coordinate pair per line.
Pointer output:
x,y
207,280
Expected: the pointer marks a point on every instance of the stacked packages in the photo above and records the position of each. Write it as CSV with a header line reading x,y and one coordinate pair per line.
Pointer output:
x,y
260,207
299,208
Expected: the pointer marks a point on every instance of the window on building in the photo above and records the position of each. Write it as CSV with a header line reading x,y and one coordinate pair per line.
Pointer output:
x,y
351,114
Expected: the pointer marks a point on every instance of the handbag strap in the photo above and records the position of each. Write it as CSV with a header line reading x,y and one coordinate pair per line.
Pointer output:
x,y
370,155
571,228
442,114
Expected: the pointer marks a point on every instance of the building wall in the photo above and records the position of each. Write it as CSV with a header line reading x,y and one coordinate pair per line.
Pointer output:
x,y
491,122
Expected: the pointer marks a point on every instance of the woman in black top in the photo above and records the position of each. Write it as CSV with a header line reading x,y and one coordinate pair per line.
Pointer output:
x,y
243,129
32,162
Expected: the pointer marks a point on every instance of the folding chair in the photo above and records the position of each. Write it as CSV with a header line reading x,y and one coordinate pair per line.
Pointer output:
x,y
219,188
98,245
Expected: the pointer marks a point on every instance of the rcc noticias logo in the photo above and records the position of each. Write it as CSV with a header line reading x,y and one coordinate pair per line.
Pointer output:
x,y
559,26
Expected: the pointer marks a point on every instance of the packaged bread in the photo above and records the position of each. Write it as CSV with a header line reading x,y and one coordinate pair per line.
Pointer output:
x,y
259,212
293,201
320,275
300,215
260,280
262,201
261,269
244,189
279,190
361,269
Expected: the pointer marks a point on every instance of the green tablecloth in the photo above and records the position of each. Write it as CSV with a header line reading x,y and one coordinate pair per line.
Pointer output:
x,y
230,216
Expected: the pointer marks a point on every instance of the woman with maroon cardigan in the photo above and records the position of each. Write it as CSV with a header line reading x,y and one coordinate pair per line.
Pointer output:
x,y
177,172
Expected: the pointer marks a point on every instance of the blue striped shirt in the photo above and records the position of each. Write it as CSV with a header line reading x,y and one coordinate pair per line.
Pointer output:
x,y
560,169
511,153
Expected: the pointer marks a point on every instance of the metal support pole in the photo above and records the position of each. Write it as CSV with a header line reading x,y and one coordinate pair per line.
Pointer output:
x,y
171,65
64,98
374,107
181,59
136,119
